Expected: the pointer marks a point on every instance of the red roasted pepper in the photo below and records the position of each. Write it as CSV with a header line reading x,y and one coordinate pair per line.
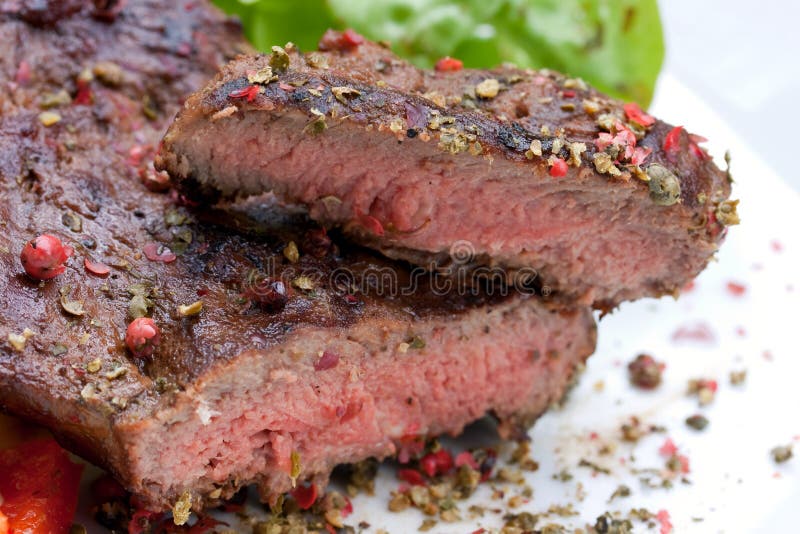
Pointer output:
x,y
39,485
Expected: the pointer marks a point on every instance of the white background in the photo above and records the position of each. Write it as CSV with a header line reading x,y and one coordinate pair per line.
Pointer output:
x,y
741,57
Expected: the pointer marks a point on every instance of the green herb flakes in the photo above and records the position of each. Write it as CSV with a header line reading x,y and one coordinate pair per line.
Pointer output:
x,y
488,88
190,309
317,125
296,467
72,307
94,366
343,93
182,509
304,283
49,118
726,213
261,76
604,164
697,422
279,59
782,454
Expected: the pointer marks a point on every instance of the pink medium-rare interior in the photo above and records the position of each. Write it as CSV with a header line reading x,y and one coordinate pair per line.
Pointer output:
x,y
593,233
243,421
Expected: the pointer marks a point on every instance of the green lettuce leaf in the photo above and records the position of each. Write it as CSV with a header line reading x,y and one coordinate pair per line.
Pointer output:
x,y
276,22
616,45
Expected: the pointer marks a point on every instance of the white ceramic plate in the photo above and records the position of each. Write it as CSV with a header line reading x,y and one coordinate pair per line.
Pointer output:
x,y
735,485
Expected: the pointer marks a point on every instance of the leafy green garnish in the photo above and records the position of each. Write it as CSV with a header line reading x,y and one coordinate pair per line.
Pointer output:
x,y
275,22
616,45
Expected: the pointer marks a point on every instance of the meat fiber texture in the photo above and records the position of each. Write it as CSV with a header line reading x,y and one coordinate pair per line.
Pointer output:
x,y
516,169
325,370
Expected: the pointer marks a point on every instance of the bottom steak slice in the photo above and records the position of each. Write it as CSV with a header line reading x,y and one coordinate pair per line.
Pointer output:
x,y
331,371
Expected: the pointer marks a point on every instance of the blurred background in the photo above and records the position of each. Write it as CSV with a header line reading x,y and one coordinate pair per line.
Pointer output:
x,y
740,58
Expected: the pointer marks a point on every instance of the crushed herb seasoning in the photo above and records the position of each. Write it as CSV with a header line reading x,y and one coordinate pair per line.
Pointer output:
x,y
704,389
94,366
726,213
304,282
279,59
535,149
291,253
72,307
453,141
342,94
604,164
782,454
697,422
49,118
622,491
117,372
591,107
563,476
607,121
576,150
53,100
317,125
737,378
296,467
260,76
224,113
594,466
190,309
416,342
139,303
149,109
523,522
317,60
607,524
109,73
182,509
17,341
488,88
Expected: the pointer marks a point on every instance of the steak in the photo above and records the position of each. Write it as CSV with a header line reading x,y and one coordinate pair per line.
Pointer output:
x,y
284,350
522,169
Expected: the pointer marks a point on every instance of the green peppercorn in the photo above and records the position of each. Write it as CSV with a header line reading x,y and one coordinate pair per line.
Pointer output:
x,y
665,188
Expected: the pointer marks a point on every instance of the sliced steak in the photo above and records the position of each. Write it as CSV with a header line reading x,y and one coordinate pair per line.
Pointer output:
x,y
336,365
526,169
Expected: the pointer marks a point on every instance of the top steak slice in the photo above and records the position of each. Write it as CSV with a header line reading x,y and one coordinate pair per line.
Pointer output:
x,y
334,371
415,163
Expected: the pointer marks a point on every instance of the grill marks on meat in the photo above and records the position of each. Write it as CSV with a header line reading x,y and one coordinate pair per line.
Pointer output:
x,y
410,162
231,392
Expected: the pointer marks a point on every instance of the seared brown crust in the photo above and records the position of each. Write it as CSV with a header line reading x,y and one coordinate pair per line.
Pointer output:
x,y
84,172
80,179
527,98
368,87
